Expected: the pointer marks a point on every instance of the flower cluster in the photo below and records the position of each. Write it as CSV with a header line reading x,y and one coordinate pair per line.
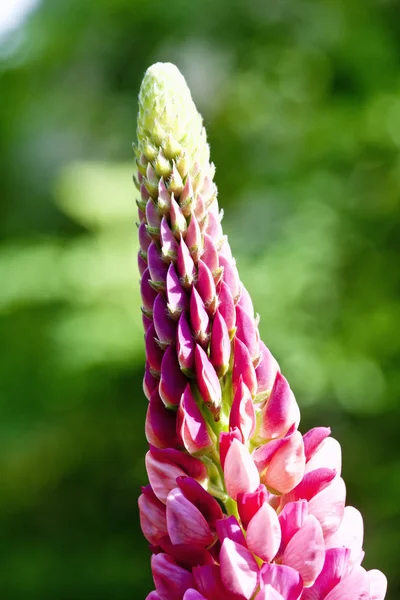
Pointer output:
x,y
240,504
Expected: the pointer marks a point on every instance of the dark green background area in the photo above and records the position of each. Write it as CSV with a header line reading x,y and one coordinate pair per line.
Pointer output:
x,y
301,101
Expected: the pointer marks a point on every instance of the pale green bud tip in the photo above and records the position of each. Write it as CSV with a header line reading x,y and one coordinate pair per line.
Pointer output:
x,y
168,117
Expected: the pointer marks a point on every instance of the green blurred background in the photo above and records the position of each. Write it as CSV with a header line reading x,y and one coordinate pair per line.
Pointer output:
x,y
301,101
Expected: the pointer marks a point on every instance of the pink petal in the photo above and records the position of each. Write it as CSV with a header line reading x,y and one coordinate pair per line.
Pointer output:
x,y
284,580
207,380
191,425
287,465
160,425
152,516
355,586
268,593
186,524
172,382
239,570
171,580
328,506
227,307
243,367
242,413
225,440
335,566
378,584
313,439
197,495
265,372
264,533
185,345
250,502
291,519
350,534
328,455
305,552
193,595
220,346
247,332
229,528
240,472
280,411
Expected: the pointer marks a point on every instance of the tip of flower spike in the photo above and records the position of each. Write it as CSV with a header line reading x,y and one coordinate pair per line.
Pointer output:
x,y
168,117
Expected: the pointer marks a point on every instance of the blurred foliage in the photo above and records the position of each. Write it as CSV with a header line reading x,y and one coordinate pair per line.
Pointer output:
x,y
301,100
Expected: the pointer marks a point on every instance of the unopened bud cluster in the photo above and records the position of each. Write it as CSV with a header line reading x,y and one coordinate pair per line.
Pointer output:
x,y
240,504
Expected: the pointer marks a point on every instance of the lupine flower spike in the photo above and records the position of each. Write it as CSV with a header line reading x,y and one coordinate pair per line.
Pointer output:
x,y
240,504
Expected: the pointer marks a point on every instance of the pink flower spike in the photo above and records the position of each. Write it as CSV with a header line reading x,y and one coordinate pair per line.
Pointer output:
x,y
225,440
264,533
239,570
207,381
354,586
210,254
280,411
230,528
242,413
313,439
186,524
152,516
199,318
148,293
186,268
283,579
164,326
329,454
328,506
243,367
185,346
227,308
247,332
170,579
377,584
249,503
172,382
178,300
197,495
193,238
157,267
335,566
192,426
154,354
169,245
160,426
292,519
240,472
266,372
231,276
206,287
220,346
305,552
350,534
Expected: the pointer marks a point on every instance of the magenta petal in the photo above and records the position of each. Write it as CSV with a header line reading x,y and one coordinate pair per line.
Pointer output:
x,y
186,524
142,264
206,287
243,367
313,439
268,593
207,380
354,586
169,245
378,584
148,293
311,484
153,596
220,346
185,345
172,382
230,528
160,424
335,566
266,372
225,440
198,496
305,552
192,426
152,217
193,595
291,519
284,580
281,410
199,318
187,555
240,472
239,570
250,502
210,254
178,300
152,516
154,354
178,221
170,579
164,326
149,382
264,533
185,264
247,332
208,582
328,455
227,307
193,238
157,267
242,413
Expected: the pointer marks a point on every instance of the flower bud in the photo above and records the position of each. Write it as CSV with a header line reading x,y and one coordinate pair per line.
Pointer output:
x,y
177,298
220,346
185,346
240,472
191,425
172,381
152,516
199,319
207,381
242,413
164,326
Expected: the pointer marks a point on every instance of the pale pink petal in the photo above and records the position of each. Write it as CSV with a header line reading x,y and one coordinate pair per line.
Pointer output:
x,y
355,586
328,506
239,570
335,566
329,455
350,534
285,580
306,551
287,465
377,584
268,593
264,533
240,472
